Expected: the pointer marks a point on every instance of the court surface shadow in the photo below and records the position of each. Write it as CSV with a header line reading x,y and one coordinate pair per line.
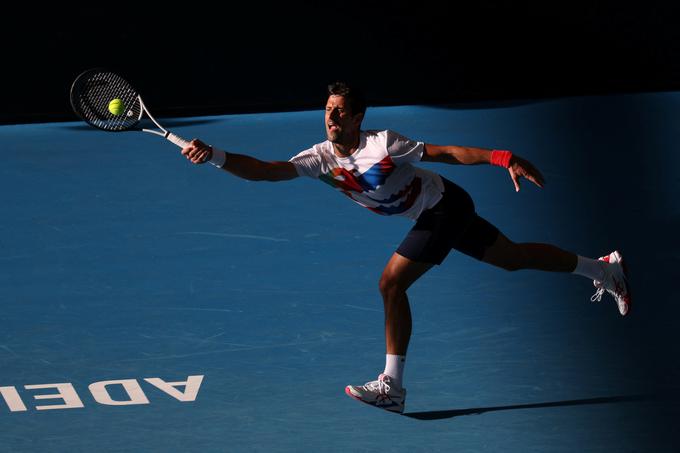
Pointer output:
x,y
439,415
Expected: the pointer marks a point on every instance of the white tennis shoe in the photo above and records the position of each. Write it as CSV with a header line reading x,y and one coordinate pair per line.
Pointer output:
x,y
382,393
615,282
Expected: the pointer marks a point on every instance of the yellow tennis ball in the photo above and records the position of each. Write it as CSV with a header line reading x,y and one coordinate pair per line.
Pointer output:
x,y
116,107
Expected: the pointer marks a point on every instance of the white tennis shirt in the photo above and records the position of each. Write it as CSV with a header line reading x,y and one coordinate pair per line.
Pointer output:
x,y
379,175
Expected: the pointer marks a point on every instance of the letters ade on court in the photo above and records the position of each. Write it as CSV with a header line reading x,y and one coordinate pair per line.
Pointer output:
x,y
65,396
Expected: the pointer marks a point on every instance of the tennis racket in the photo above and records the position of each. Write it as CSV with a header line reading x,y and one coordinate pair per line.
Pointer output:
x,y
92,94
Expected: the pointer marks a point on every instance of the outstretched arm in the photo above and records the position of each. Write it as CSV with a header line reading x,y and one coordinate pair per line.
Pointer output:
x,y
245,167
517,167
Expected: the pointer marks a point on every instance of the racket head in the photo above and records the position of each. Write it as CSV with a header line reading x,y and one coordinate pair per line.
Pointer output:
x,y
94,89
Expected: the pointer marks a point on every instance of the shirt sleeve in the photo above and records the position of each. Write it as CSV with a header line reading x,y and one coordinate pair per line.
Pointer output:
x,y
403,150
307,163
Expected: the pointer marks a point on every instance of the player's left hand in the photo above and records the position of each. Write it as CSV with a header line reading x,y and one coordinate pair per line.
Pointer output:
x,y
521,168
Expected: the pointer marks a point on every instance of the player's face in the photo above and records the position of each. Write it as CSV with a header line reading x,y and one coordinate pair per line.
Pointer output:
x,y
341,125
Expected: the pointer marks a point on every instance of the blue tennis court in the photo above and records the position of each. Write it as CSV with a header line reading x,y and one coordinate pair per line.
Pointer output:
x,y
151,305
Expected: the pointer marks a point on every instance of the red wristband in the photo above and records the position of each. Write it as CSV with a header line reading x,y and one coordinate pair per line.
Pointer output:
x,y
500,158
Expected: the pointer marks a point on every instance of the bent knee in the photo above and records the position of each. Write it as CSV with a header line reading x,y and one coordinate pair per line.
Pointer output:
x,y
390,284
385,284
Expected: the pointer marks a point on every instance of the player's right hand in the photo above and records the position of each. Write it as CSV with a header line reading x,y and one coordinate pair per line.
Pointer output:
x,y
197,152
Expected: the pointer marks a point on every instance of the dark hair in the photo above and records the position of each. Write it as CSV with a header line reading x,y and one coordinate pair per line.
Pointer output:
x,y
353,94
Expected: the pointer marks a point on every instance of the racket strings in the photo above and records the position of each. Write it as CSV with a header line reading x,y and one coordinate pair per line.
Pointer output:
x,y
92,93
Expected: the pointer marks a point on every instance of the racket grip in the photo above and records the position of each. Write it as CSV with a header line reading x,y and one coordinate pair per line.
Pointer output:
x,y
177,140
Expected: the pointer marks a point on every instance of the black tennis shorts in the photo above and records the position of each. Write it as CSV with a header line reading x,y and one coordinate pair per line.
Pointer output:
x,y
451,224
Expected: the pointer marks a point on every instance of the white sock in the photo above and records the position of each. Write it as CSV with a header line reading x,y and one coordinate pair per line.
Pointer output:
x,y
590,268
394,368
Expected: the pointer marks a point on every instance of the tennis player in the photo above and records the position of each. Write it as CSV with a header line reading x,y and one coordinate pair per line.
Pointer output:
x,y
377,170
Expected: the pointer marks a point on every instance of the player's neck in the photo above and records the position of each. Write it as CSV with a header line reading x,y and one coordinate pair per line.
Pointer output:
x,y
348,148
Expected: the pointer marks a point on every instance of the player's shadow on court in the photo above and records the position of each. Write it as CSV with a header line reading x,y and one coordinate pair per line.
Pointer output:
x,y
439,415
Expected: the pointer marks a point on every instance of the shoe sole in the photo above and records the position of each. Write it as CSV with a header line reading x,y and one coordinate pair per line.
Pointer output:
x,y
626,280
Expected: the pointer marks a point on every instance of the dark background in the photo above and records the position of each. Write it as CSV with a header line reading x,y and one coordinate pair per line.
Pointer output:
x,y
221,58
228,58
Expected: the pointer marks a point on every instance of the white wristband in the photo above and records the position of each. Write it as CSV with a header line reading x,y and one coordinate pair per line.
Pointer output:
x,y
219,158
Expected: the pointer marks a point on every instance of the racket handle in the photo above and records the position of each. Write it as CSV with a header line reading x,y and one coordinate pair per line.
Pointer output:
x,y
177,140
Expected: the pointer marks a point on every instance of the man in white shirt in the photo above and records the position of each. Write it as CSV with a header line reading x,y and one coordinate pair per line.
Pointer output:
x,y
375,169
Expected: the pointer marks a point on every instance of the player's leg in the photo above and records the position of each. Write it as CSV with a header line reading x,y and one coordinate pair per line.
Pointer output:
x,y
511,256
397,277
608,272
387,391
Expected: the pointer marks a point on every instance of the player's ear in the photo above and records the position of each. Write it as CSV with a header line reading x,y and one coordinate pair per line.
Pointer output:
x,y
358,118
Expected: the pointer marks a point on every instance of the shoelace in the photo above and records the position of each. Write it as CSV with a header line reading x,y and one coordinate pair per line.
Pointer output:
x,y
616,292
597,297
380,386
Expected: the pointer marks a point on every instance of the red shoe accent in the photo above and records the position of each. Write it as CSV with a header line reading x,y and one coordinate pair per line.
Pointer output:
x,y
351,395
